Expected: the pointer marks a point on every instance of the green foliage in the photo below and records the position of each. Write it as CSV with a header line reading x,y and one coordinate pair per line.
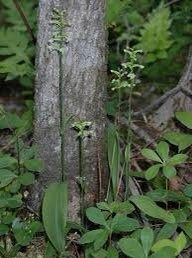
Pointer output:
x,y
155,36
15,175
16,49
149,207
113,157
115,9
166,163
55,204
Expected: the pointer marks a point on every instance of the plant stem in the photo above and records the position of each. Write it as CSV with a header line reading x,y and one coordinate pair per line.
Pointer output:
x,y
82,196
18,155
61,109
129,140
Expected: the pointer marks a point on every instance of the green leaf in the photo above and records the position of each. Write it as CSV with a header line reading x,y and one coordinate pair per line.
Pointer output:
x,y
10,120
114,9
113,156
99,254
149,207
122,223
185,118
167,231
162,195
15,201
163,243
122,207
168,252
25,231
96,216
150,154
112,252
4,229
187,228
155,36
177,159
54,213
188,190
26,179
101,239
169,171
181,140
50,251
152,171
180,242
163,150
180,215
7,161
90,236
35,165
6,177
147,238
131,247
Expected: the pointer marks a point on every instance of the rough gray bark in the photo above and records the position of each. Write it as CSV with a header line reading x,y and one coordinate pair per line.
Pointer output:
x,y
84,85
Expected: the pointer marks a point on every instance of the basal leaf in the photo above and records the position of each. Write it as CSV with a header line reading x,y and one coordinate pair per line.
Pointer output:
x,y
54,212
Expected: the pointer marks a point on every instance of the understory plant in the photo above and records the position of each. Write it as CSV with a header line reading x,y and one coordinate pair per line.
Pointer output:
x,y
151,224
19,165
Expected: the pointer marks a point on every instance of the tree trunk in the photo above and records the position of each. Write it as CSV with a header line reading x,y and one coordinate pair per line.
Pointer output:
x,y
84,86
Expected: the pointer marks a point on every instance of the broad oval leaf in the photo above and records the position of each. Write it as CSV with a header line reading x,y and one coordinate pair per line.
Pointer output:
x,y
122,223
169,171
26,178
90,236
166,231
163,243
35,165
54,213
7,161
101,239
180,242
177,159
152,171
149,207
6,177
147,238
150,154
188,190
181,140
112,252
185,118
168,252
96,216
131,247
163,150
